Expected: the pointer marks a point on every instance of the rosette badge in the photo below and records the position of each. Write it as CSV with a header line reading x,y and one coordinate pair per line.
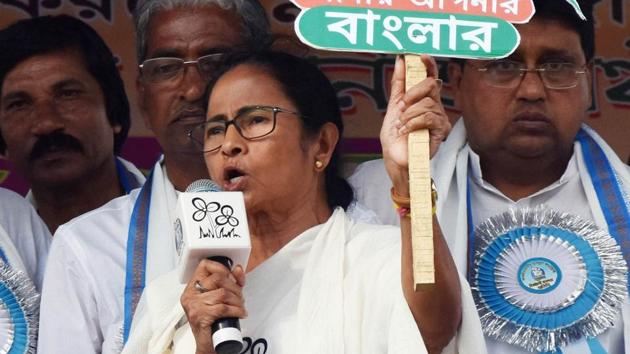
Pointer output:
x,y
19,312
543,279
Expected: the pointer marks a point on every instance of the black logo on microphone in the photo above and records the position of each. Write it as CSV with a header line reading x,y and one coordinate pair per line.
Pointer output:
x,y
258,346
221,222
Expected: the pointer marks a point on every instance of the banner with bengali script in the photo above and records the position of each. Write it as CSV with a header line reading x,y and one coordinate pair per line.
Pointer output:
x,y
361,79
395,31
449,28
515,11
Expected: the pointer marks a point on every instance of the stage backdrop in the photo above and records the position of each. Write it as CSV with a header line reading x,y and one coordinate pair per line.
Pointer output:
x,y
361,80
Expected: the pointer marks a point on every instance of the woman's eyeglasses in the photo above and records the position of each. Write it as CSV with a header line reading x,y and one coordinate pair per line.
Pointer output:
x,y
251,123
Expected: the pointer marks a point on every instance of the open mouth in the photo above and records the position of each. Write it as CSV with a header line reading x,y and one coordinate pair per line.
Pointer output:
x,y
233,176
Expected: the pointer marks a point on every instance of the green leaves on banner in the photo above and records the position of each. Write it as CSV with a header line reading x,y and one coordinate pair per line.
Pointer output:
x,y
394,31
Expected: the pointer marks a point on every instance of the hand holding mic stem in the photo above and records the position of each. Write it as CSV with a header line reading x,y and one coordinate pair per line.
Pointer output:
x,y
213,302
213,226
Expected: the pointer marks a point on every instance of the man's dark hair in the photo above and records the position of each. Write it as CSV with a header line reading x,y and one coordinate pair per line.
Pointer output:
x,y
563,12
51,34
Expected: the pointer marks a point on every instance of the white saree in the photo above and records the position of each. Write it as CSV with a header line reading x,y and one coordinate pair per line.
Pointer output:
x,y
333,289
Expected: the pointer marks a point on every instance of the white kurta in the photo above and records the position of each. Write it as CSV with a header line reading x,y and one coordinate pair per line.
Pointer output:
x,y
82,298
450,168
333,289
371,185
25,238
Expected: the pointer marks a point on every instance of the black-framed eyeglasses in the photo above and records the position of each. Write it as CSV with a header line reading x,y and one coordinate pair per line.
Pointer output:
x,y
158,70
509,73
252,122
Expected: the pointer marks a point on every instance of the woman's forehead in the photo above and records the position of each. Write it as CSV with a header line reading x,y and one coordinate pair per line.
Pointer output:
x,y
246,85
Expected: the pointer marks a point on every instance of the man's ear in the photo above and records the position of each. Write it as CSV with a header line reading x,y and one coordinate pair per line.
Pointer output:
x,y
455,72
590,77
141,91
3,148
326,142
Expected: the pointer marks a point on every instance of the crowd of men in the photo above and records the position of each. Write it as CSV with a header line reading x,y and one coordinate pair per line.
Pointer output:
x,y
64,116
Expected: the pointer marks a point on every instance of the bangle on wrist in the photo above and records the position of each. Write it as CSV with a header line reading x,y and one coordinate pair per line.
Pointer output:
x,y
402,211
403,204
434,198
399,200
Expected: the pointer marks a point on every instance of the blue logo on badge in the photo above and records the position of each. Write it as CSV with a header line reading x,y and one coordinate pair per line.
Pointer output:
x,y
539,275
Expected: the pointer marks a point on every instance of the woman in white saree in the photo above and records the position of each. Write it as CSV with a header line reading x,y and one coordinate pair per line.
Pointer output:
x,y
316,281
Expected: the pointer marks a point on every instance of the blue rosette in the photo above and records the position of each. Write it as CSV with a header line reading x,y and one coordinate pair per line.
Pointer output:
x,y
543,279
19,312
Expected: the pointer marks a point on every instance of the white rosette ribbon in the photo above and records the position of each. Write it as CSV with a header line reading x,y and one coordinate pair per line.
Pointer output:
x,y
543,279
19,312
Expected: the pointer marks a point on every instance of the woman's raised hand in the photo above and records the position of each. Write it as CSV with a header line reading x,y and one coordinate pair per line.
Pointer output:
x,y
213,292
418,108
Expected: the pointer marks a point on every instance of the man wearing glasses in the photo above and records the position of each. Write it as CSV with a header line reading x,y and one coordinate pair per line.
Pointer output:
x,y
100,263
521,143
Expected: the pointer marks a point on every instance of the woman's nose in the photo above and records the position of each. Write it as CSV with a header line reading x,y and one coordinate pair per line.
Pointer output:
x,y
233,142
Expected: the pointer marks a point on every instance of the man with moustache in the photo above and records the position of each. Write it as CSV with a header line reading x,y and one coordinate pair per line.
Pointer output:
x,y
64,116
521,143
99,263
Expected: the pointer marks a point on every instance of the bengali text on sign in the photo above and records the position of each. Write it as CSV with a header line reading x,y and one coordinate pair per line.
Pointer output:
x,y
514,11
393,31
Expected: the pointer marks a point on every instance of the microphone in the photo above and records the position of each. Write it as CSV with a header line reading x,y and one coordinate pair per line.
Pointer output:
x,y
213,226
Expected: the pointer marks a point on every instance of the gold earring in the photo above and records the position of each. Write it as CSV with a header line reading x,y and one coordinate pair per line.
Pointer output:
x,y
319,164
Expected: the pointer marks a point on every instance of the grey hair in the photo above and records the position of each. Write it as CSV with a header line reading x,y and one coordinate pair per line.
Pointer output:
x,y
254,25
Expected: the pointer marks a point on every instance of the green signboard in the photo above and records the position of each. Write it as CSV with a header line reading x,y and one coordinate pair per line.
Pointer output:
x,y
395,31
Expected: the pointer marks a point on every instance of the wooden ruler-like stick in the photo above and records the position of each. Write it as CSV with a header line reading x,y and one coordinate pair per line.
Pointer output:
x,y
420,188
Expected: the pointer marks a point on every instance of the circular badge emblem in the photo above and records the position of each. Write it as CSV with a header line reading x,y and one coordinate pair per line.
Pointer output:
x,y
551,278
539,275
